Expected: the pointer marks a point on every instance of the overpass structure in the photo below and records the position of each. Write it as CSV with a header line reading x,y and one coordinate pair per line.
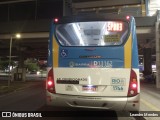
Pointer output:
x,y
35,31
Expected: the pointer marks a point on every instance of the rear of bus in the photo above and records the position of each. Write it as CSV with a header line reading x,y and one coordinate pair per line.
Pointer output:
x,y
93,63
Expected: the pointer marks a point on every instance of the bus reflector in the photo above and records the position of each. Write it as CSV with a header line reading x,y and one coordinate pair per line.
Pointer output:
x,y
133,84
50,82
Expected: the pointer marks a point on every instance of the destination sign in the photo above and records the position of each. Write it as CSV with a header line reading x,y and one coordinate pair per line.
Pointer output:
x,y
115,26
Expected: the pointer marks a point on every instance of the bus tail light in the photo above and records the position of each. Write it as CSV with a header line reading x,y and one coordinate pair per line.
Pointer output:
x,y
50,82
133,84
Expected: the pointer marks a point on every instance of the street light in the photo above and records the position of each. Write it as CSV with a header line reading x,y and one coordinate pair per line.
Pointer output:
x,y
10,54
18,35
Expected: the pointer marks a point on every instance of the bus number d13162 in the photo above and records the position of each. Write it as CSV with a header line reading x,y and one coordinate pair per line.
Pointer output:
x,y
107,64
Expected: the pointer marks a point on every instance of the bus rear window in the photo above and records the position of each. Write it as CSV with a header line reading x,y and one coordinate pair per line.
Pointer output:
x,y
95,33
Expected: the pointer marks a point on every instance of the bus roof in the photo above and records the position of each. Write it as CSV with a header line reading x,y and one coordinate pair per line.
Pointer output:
x,y
91,17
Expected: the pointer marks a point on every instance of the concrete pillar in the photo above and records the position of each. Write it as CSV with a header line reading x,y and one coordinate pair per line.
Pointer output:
x,y
21,59
143,5
21,70
147,7
157,34
147,53
67,7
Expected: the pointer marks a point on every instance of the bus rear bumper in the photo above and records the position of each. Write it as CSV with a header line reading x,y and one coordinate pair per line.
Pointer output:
x,y
110,103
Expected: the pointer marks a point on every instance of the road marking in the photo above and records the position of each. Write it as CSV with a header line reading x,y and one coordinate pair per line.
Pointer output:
x,y
149,105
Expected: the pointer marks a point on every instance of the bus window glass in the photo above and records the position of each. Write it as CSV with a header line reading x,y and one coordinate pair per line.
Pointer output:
x,y
95,33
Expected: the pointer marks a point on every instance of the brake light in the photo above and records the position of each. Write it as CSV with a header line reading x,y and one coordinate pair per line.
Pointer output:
x,y
133,84
50,82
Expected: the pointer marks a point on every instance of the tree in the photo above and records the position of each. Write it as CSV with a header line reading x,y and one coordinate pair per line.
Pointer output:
x,y
31,64
5,63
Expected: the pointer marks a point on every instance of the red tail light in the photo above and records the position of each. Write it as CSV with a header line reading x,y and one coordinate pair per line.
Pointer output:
x,y
50,82
133,84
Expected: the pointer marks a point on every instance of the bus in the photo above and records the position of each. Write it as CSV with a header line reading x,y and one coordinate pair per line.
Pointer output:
x,y
93,63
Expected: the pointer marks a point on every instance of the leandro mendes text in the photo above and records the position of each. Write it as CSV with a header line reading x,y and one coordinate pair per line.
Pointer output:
x,y
144,114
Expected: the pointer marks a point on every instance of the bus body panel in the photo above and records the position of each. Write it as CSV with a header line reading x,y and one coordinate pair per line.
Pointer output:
x,y
100,102
92,81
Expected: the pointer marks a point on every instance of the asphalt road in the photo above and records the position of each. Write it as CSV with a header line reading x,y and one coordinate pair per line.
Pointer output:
x,y
33,99
29,99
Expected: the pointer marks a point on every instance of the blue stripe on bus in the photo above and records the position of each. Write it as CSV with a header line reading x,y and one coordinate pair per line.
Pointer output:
x,y
135,61
50,57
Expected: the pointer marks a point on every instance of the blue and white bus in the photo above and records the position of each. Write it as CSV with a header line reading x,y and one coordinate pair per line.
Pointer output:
x,y
93,63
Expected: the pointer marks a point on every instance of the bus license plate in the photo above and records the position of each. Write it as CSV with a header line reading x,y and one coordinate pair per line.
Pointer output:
x,y
89,88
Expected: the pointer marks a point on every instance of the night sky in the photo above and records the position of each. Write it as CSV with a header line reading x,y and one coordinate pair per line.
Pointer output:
x,y
42,9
